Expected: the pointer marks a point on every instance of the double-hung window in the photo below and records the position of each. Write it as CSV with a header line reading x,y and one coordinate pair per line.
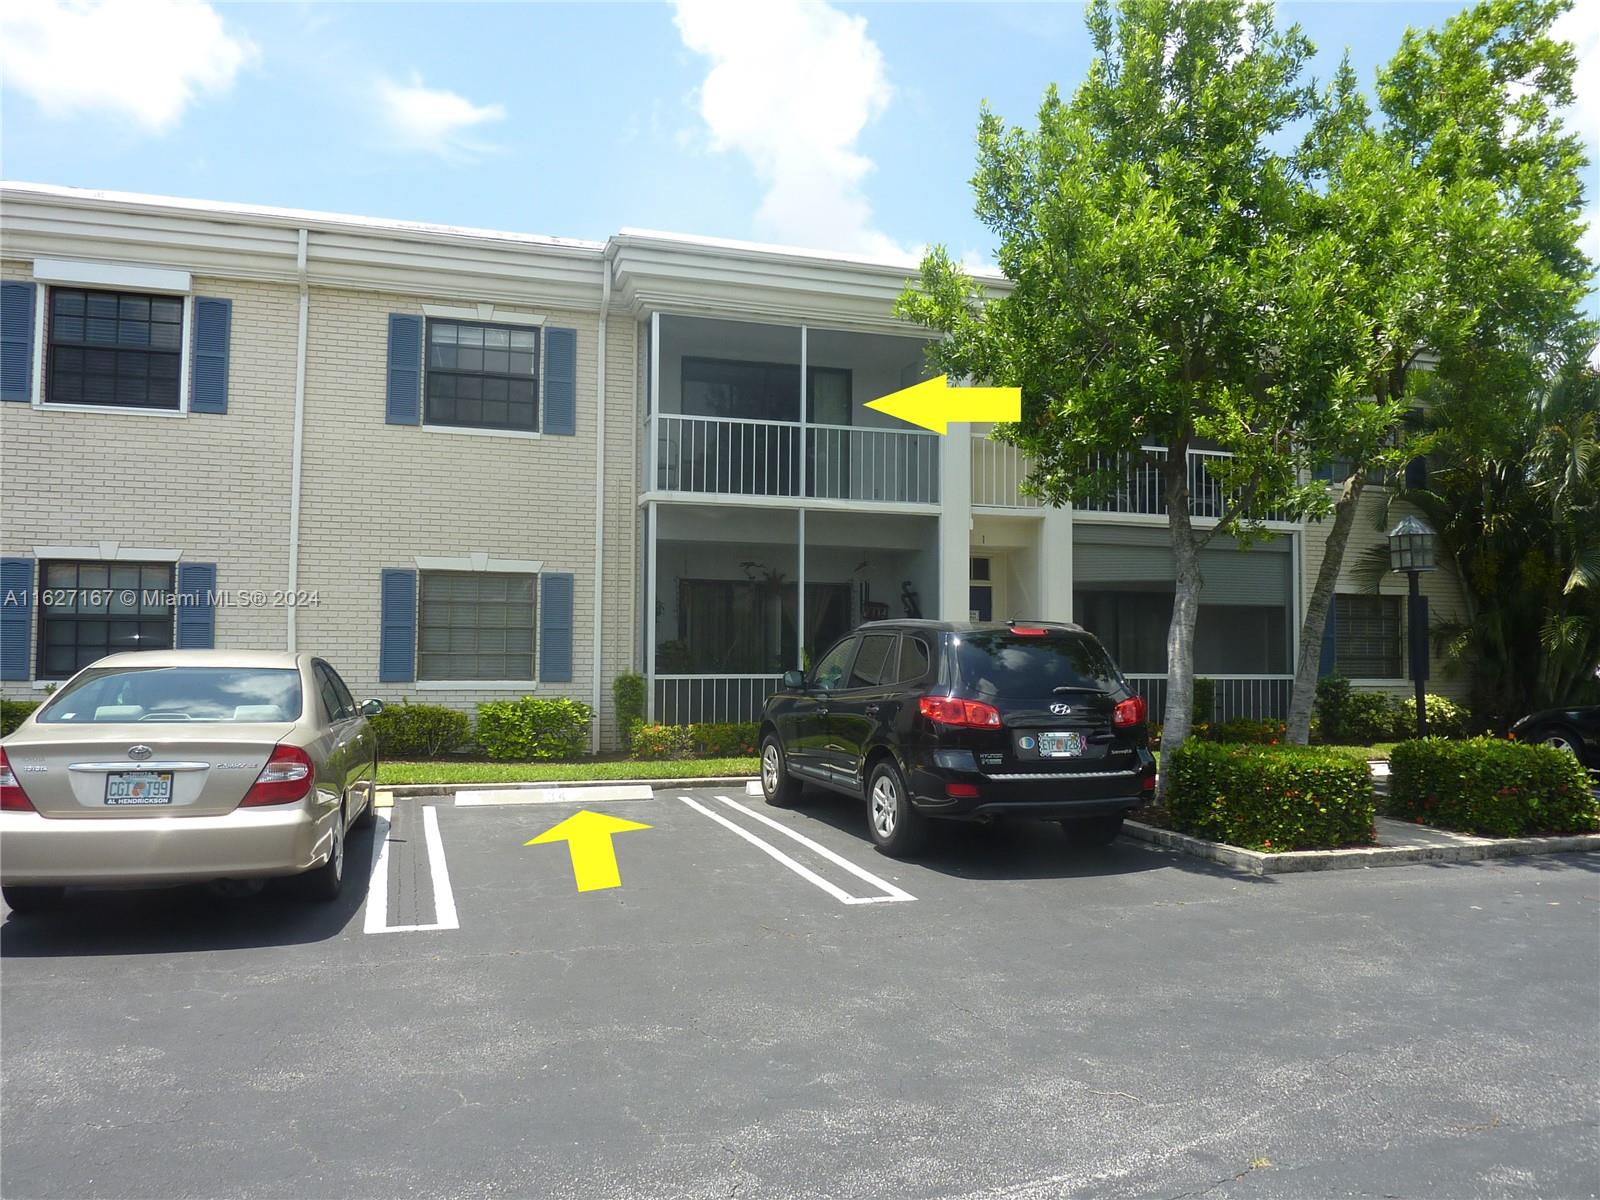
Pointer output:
x,y
117,349
88,610
1366,637
475,625
482,376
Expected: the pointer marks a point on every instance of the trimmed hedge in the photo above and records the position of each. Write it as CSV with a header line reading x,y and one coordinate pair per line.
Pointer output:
x,y
14,712
1446,718
1242,730
1351,717
531,728
411,731
1271,798
1490,787
628,692
699,741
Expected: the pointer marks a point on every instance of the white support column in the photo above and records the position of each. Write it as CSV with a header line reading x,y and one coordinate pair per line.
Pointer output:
x,y
800,598
955,523
802,468
1055,564
652,479
650,612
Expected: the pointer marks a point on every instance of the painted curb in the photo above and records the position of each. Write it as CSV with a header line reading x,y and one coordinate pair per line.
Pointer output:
x,y
401,791
1295,861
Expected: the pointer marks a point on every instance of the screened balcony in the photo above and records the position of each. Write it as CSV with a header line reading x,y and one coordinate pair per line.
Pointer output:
x,y
745,409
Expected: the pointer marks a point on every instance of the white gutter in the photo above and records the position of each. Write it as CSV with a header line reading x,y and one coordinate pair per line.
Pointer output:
x,y
299,440
599,503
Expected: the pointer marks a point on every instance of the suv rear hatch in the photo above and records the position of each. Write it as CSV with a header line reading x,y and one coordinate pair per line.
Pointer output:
x,y
1056,691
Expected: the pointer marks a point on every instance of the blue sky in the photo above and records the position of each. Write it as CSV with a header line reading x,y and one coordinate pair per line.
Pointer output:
x,y
845,127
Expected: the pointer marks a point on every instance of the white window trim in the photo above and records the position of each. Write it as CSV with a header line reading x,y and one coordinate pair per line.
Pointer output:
x,y
118,276
483,685
41,300
108,552
482,312
475,431
479,562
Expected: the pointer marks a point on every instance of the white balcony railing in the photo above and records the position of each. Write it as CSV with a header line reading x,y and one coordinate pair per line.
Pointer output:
x,y
693,699
998,469
724,456
1238,697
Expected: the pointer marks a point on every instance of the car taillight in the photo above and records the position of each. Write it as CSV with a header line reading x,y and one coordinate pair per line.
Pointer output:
x,y
1128,713
285,779
953,710
12,797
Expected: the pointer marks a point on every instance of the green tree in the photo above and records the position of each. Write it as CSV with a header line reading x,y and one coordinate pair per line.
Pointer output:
x,y
1165,288
1460,216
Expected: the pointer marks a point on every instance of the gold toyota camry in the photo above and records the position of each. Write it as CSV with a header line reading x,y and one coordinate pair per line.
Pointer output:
x,y
183,766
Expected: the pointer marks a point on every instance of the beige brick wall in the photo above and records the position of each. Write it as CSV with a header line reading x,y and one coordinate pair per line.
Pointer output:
x,y
1441,587
378,495
214,486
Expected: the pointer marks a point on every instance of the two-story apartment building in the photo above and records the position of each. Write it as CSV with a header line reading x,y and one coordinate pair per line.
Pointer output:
x,y
465,465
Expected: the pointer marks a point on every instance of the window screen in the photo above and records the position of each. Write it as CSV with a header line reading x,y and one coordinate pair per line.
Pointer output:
x,y
121,349
88,610
1366,637
483,376
474,625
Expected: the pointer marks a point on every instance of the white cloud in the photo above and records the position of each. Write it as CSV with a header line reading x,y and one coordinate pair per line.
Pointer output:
x,y
144,60
434,120
792,85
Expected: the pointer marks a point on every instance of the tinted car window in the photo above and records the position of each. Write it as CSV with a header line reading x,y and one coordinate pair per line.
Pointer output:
x,y
1009,664
913,659
346,700
330,694
830,672
876,652
153,694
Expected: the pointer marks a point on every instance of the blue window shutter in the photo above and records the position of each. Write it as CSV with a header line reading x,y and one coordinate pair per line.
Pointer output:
x,y
1417,473
555,627
16,616
1329,640
403,405
16,342
197,606
561,381
397,626
213,321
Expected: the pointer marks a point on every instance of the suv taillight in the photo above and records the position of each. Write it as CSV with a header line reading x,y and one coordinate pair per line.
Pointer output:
x,y
12,797
1128,713
285,779
953,710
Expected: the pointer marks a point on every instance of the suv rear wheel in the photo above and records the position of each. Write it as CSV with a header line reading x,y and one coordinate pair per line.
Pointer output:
x,y
1092,832
779,787
897,828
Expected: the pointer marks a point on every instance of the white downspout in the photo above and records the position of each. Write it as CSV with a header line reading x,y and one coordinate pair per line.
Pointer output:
x,y
299,442
599,501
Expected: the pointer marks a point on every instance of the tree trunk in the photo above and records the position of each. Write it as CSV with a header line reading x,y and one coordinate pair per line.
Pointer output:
x,y
1312,628
1185,607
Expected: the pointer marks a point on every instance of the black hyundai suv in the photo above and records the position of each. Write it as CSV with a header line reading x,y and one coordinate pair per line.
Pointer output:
x,y
944,719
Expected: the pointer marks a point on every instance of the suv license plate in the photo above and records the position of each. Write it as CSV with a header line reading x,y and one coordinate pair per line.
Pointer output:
x,y
139,787
1060,745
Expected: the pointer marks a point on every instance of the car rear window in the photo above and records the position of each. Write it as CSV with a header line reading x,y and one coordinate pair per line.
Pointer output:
x,y
1011,664
155,694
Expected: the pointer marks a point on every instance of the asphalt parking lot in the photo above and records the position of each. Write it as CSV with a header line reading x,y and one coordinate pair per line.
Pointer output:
x,y
754,1014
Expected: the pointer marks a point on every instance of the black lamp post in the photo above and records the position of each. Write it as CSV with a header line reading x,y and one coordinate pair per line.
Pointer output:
x,y
1411,549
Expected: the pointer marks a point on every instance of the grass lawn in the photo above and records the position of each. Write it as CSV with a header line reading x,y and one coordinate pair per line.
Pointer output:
x,y
390,773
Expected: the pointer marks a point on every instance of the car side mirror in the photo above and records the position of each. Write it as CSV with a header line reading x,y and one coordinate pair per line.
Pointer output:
x,y
371,708
794,681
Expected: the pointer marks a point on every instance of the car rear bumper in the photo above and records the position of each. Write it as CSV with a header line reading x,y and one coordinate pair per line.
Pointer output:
x,y
247,843
1043,796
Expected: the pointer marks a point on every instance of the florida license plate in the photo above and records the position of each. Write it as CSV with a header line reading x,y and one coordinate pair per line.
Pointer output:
x,y
139,787
1060,745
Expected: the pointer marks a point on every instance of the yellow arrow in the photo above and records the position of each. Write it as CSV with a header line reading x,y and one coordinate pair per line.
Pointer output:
x,y
588,837
934,403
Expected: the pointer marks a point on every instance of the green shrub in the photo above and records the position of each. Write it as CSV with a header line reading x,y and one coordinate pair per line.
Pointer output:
x,y
417,731
1446,718
723,741
1271,798
531,728
14,712
1345,715
661,741
1244,731
628,692
1204,709
1491,787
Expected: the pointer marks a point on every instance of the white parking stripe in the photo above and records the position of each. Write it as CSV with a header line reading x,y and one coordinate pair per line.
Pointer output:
x,y
444,900
890,890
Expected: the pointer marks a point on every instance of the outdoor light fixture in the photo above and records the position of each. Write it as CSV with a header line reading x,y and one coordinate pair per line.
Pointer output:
x,y
1411,549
